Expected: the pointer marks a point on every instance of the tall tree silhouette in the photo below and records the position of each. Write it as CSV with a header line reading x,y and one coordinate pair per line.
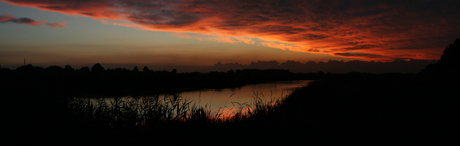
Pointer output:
x,y
145,69
449,65
451,55
136,70
97,68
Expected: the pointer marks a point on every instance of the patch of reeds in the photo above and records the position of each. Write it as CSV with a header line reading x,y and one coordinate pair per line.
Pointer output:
x,y
133,111
154,111
166,118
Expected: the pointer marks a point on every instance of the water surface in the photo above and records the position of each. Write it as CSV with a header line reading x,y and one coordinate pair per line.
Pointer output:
x,y
227,100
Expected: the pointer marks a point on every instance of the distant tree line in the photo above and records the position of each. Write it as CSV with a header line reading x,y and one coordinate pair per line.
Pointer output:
x,y
95,69
334,66
97,79
98,70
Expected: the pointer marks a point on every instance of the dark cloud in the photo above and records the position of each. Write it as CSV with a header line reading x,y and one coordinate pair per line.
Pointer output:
x,y
365,55
360,47
342,25
28,21
402,65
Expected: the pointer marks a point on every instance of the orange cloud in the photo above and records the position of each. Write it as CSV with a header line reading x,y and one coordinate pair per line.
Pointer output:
x,y
281,46
199,38
371,30
232,39
181,35
105,21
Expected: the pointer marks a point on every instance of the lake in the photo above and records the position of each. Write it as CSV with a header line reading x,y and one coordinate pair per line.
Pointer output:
x,y
225,101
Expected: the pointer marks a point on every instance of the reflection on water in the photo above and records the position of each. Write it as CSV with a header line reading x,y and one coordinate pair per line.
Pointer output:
x,y
223,100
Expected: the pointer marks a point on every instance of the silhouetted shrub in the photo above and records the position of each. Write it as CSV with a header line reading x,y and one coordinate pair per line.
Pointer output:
x,y
97,68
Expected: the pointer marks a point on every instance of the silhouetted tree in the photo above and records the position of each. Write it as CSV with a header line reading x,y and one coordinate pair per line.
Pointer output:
x,y
136,70
174,71
30,69
449,66
97,68
145,69
321,73
450,56
54,69
68,68
85,69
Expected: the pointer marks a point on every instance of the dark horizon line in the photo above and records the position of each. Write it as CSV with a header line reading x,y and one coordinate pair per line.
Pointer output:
x,y
333,66
218,63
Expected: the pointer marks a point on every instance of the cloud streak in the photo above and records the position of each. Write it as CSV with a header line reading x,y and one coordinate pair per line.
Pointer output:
x,y
370,30
9,18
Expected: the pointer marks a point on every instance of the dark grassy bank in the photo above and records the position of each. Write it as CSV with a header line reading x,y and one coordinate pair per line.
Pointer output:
x,y
357,108
169,120
379,109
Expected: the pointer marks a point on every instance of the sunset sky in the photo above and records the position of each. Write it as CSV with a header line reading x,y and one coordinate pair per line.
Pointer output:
x,y
204,32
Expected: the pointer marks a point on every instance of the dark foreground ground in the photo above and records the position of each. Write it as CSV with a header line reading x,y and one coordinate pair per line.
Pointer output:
x,y
357,108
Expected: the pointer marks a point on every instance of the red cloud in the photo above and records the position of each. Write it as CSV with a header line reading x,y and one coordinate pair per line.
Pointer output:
x,y
6,18
28,21
371,30
52,24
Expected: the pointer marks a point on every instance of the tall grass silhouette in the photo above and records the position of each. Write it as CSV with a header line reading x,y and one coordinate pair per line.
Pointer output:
x,y
168,109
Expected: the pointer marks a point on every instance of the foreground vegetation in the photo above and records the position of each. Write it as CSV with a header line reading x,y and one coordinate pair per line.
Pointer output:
x,y
352,108
359,108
